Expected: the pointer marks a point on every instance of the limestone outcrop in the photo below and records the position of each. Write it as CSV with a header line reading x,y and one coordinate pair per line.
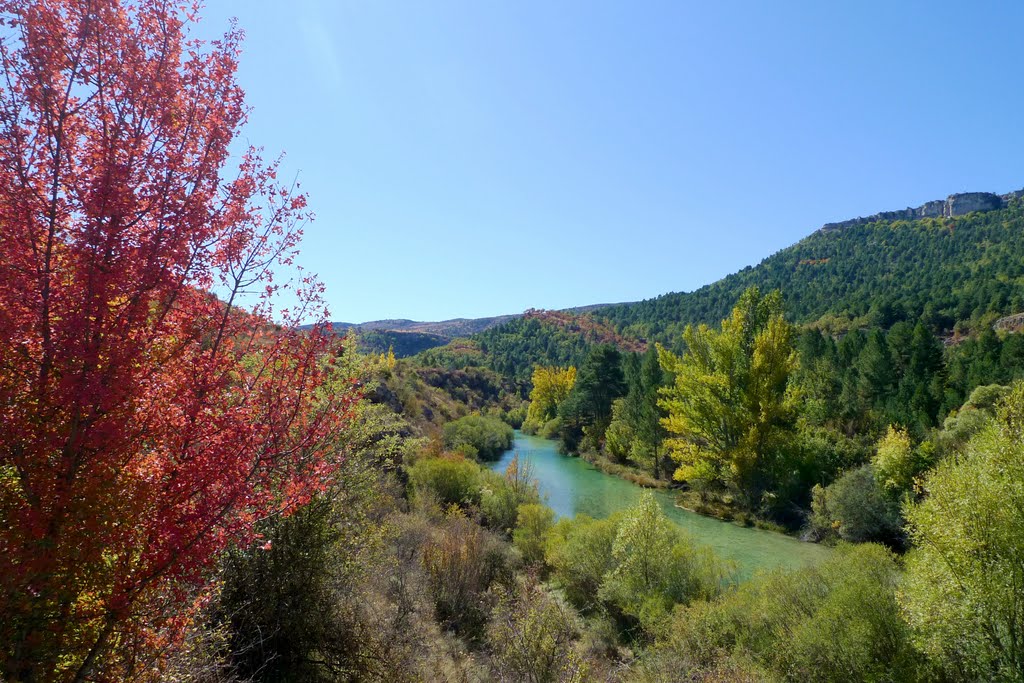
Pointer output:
x,y
954,205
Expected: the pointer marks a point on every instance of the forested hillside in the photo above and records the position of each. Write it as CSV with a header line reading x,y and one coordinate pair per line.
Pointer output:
x,y
956,275
402,344
941,271
538,337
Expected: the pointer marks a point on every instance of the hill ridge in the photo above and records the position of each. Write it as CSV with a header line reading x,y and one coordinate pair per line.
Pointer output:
x,y
957,204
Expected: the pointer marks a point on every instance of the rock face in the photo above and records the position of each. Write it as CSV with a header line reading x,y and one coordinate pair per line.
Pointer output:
x,y
932,209
1011,323
959,204
953,205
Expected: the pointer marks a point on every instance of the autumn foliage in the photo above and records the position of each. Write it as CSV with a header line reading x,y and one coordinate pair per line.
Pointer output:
x,y
148,421
593,330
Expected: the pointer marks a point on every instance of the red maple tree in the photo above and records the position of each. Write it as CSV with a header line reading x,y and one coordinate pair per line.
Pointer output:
x,y
145,423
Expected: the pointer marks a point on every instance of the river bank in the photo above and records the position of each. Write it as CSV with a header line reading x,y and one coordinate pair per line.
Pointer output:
x,y
685,499
572,486
628,472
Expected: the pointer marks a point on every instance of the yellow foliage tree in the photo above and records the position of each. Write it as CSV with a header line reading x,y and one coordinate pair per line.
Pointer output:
x,y
732,405
551,386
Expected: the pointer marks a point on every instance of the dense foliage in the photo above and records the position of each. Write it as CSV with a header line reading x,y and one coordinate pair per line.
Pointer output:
x,y
585,414
551,387
631,597
637,431
512,349
190,491
478,436
403,344
965,589
839,621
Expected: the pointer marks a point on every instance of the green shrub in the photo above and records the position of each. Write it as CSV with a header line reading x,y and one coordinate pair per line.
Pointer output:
x,y
579,552
855,508
963,593
516,417
657,566
498,503
973,415
838,621
636,563
451,478
490,436
550,429
619,437
533,523
503,494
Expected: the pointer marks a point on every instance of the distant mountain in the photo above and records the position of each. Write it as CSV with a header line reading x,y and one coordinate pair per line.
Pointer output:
x,y
457,327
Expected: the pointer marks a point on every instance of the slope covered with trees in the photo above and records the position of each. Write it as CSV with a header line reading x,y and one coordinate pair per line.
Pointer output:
x,y
402,344
550,338
939,271
955,275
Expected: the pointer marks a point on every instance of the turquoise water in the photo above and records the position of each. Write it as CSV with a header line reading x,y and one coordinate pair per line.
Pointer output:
x,y
572,486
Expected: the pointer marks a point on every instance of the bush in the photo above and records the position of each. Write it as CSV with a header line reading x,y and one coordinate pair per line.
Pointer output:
x,y
278,603
550,429
502,495
856,508
579,552
488,435
463,560
533,523
971,418
619,438
964,577
516,417
898,463
451,478
531,637
838,621
636,562
657,566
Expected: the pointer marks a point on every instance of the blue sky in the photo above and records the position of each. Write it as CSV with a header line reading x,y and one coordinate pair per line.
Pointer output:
x,y
476,158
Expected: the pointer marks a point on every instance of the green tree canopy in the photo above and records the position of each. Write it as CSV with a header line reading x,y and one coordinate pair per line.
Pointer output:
x,y
636,422
589,407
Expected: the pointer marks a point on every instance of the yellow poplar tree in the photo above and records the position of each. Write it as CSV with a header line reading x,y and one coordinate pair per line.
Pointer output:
x,y
551,386
732,404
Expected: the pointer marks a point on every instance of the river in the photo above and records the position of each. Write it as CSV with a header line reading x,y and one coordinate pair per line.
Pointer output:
x,y
571,486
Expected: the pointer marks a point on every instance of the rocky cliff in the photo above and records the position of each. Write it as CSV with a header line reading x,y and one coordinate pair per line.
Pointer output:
x,y
953,205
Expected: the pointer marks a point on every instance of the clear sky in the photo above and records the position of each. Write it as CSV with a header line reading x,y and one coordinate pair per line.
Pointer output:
x,y
480,157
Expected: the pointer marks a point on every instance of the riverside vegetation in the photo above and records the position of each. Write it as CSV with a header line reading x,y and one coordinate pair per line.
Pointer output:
x,y
191,491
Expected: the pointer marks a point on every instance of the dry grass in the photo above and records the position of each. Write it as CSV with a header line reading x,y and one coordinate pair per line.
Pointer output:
x,y
627,472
